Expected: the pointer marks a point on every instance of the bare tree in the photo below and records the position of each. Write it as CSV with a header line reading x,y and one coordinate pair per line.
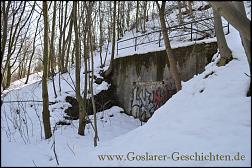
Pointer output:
x,y
122,18
225,52
173,68
118,25
129,5
101,18
137,20
83,117
233,16
145,3
62,56
236,16
180,13
190,8
245,42
14,35
108,72
33,51
4,33
46,113
52,52
92,94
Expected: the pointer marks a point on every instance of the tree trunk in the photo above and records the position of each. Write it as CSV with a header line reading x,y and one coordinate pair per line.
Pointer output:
x,y
190,8
118,22
123,18
8,76
128,15
33,51
180,13
173,68
72,57
4,33
245,42
60,44
137,11
233,16
101,32
92,95
46,113
144,16
13,36
111,18
77,68
63,70
69,38
86,51
52,52
225,52
108,72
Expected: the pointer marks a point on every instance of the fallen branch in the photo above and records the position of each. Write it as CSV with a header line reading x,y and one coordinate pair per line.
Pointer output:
x,y
71,149
34,163
18,101
54,145
247,74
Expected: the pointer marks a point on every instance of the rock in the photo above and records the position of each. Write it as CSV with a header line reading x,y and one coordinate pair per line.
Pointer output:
x,y
98,81
71,118
63,123
72,112
205,7
87,72
103,100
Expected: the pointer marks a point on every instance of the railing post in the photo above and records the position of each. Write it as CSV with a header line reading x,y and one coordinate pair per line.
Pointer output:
x,y
159,39
135,42
191,31
117,48
228,28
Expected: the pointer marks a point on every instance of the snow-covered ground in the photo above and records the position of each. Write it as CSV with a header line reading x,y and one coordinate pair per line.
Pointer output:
x,y
210,114
69,145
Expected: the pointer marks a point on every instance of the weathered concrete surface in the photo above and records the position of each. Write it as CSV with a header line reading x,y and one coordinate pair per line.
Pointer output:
x,y
143,82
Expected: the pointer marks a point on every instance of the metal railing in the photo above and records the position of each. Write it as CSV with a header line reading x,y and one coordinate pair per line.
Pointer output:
x,y
204,33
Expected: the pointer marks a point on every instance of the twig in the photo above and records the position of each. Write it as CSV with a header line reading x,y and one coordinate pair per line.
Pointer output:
x,y
54,151
71,149
54,145
247,74
36,110
68,83
34,163
71,79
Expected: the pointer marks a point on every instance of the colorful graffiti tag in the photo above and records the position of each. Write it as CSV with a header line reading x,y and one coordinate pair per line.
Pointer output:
x,y
146,97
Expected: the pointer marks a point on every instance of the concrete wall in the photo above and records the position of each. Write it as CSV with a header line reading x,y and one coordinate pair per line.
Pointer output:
x,y
143,82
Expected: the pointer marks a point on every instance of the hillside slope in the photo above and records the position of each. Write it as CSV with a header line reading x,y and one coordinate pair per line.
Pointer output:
x,y
210,114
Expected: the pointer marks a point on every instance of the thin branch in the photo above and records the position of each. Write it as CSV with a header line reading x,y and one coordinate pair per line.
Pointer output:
x,y
34,163
71,149
18,101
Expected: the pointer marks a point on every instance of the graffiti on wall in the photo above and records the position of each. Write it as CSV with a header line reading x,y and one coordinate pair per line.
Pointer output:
x,y
146,97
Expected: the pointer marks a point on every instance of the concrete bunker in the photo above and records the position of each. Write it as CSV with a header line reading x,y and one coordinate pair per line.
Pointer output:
x,y
143,82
